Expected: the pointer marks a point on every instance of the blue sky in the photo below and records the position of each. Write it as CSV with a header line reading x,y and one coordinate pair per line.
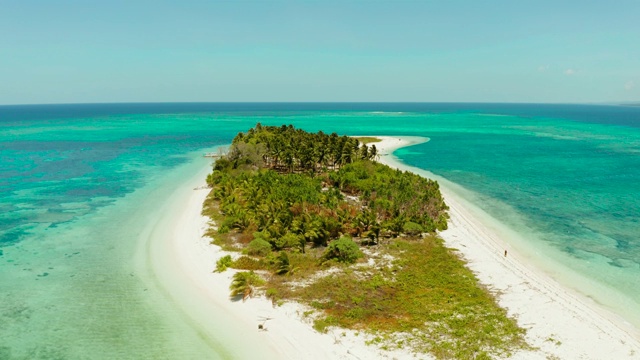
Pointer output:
x,y
456,51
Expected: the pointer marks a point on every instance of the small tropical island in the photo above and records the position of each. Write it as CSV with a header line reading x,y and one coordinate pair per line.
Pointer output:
x,y
313,218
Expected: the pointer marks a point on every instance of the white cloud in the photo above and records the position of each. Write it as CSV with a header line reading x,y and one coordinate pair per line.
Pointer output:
x,y
569,72
543,68
629,85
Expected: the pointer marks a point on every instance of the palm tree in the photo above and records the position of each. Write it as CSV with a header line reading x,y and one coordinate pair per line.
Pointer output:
x,y
364,152
374,233
244,284
284,265
363,221
373,153
289,159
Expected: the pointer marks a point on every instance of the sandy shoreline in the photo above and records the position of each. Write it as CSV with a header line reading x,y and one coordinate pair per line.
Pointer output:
x,y
560,324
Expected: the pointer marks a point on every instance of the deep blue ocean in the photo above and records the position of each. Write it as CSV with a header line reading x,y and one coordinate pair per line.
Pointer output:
x,y
565,177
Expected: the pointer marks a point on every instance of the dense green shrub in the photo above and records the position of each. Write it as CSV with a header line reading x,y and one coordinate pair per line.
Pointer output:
x,y
259,247
287,241
247,263
223,263
344,250
411,228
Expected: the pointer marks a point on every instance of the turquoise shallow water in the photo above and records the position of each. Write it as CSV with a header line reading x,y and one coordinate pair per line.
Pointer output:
x,y
77,181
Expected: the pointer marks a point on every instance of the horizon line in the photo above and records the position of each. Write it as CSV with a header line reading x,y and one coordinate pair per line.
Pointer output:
x,y
621,103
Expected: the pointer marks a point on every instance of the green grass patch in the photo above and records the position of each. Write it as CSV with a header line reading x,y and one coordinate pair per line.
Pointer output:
x,y
427,294
249,263
368,139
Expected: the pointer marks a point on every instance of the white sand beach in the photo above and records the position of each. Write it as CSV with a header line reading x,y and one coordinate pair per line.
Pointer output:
x,y
560,323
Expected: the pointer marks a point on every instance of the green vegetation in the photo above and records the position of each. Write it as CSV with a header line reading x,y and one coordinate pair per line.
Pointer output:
x,y
344,250
353,239
424,298
368,139
224,263
259,247
283,265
